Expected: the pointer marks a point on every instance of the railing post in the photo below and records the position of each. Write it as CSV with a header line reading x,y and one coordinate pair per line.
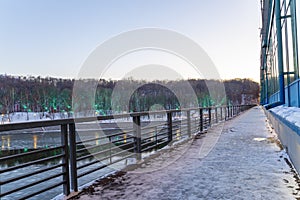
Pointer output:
x,y
228,112
170,126
188,113
138,139
65,159
209,116
216,113
110,145
201,119
73,163
156,141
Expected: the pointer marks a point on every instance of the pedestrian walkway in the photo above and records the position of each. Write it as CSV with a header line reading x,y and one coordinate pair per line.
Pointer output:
x,y
246,163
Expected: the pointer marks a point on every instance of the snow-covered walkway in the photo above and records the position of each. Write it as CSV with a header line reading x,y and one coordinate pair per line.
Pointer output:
x,y
246,163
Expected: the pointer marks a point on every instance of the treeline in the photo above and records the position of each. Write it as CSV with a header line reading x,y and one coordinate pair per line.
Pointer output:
x,y
55,95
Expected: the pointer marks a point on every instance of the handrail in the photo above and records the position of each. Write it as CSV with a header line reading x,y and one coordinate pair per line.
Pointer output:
x,y
56,122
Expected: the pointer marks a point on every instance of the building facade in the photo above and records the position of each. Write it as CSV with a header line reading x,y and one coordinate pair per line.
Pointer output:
x,y
280,83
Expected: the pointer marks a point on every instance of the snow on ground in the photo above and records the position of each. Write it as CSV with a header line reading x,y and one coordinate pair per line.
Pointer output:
x,y
246,163
291,114
17,117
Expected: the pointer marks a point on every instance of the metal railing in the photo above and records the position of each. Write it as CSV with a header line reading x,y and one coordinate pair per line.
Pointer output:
x,y
29,173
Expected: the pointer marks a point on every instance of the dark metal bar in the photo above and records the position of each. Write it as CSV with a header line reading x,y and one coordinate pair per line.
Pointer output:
x,y
188,114
137,131
30,163
156,125
43,190
102,166
30,174
73,163
221,113
29,153
104,137
65,159
216,114
89,148
92,154
90,163
31,184
92,170
228,112
170,129
201,119
209,116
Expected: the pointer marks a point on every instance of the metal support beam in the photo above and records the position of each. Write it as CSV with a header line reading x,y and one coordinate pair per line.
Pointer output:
x,y
138,139
170,126
201,119
73,162
279,51
65,159
188,115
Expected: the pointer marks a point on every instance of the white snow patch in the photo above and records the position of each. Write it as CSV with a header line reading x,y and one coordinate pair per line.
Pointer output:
x,y
18,117
259,139
291,114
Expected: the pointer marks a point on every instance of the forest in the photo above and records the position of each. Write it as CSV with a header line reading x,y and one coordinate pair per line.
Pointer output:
x,y
37,94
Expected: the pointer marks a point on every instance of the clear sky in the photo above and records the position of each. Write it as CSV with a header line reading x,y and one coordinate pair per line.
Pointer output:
x,y
54,37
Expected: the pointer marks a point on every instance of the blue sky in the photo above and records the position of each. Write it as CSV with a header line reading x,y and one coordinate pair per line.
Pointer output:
x,y
53,38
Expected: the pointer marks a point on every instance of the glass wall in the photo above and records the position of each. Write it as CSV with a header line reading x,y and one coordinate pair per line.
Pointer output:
x,y
279,49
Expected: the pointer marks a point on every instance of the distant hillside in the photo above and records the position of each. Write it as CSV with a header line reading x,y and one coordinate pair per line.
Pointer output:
x,y
55,95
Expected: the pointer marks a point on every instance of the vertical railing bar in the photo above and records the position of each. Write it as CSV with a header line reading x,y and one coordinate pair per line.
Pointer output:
x,y
65,159
228,111
188,113
209,116
110,144
73,163
201,119
138,140
156,141
216,113
170,130
221,113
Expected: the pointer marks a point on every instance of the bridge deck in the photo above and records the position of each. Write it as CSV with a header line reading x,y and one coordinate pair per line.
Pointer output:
x,y
246,163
